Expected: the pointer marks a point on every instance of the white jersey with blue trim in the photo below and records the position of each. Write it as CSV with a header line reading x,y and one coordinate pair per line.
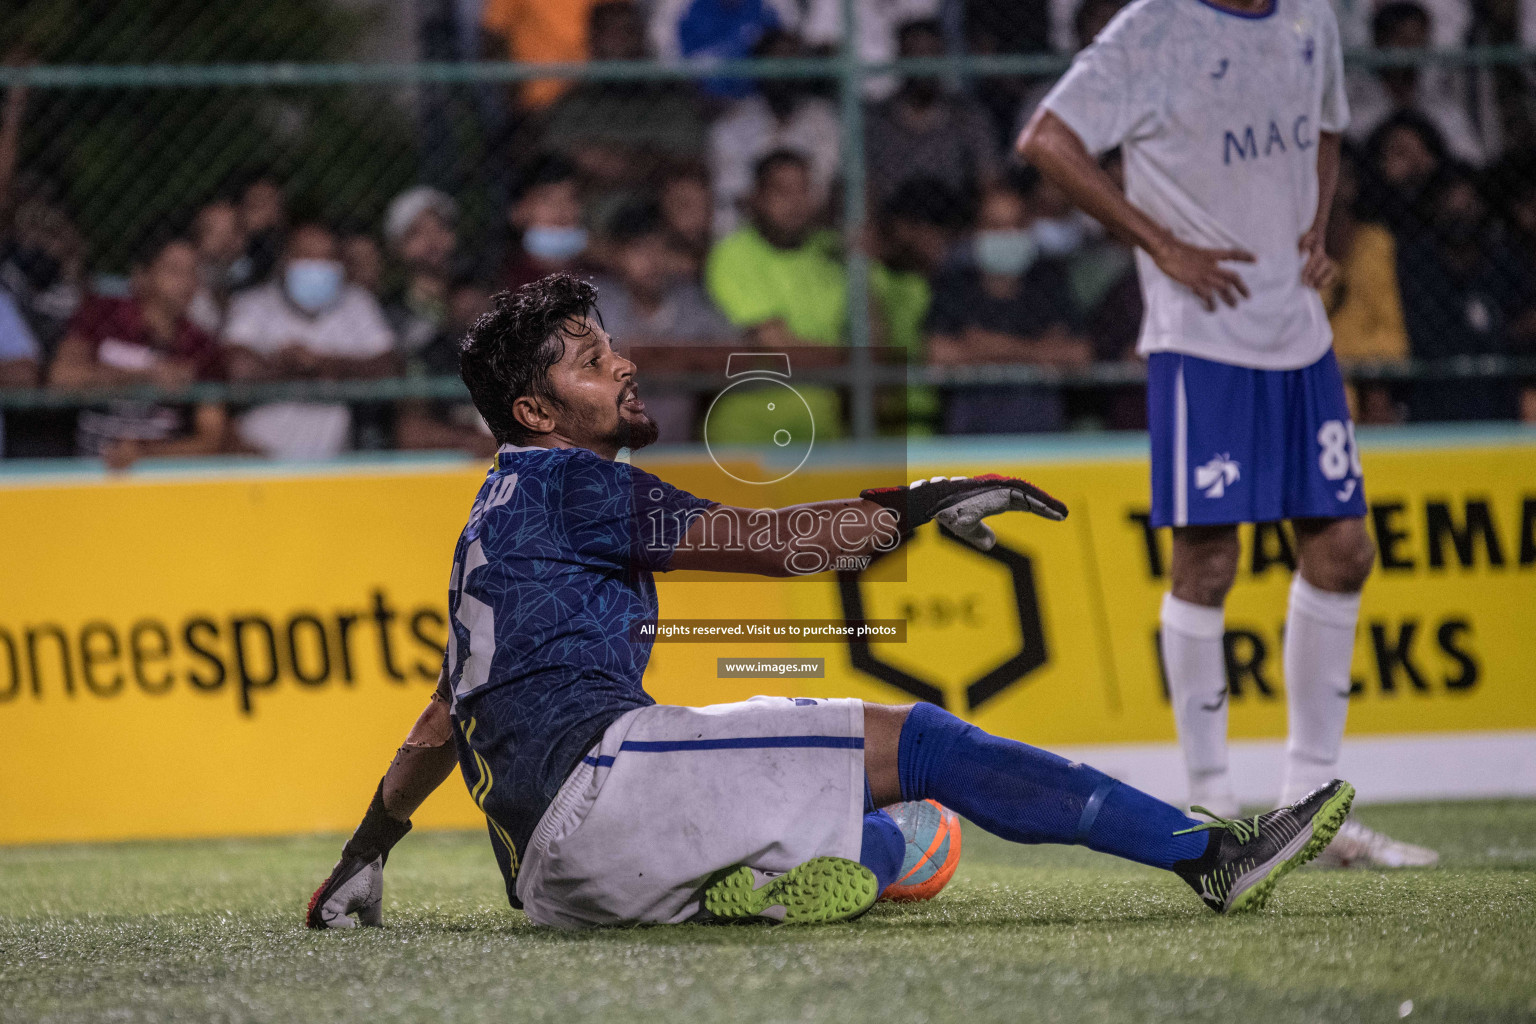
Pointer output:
x,y
1219,115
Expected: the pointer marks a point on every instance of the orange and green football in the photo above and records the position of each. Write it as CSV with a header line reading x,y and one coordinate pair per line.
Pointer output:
x,y
932,832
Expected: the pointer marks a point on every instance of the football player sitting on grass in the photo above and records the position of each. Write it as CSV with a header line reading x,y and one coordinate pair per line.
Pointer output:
x,y
606,808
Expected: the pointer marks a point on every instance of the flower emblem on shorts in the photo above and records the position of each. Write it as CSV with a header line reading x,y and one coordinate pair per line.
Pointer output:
x,y
1216,476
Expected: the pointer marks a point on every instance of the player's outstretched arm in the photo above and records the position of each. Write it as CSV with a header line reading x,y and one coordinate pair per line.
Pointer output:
x,y
803,539
1053,147
356,884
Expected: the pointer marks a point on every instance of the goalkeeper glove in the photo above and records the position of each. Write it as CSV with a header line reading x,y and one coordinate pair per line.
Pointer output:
x,y
356,884
961,503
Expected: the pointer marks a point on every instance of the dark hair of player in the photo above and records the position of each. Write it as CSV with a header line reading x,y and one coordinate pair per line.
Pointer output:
x,y
508,352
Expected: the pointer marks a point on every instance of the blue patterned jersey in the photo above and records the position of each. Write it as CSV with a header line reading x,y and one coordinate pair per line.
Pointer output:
x,y
551,578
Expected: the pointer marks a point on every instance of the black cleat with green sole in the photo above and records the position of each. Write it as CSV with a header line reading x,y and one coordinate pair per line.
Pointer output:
x,y
1247,856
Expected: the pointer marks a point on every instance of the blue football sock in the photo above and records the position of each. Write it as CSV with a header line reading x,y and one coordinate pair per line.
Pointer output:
x,y
884,847
1029,795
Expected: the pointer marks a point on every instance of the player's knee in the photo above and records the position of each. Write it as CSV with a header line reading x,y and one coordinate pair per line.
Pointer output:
x,y
1204,566
1352,561
1340,558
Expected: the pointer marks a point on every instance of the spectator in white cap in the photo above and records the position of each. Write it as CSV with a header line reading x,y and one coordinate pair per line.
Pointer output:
x,y
419,231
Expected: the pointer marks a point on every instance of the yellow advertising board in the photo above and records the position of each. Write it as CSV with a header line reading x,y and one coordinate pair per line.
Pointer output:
x,y
240,653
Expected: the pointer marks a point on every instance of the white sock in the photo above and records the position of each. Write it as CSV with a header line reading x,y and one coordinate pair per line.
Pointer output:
x,y
1319,640
1197,686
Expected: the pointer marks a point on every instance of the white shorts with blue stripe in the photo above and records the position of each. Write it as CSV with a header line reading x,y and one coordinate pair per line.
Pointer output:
x,y
673,795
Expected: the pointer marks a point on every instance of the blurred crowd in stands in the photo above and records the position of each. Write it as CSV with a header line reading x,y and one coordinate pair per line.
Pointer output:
x,y
708,213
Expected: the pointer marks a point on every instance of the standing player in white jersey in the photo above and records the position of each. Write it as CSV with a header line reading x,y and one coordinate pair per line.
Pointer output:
x,y
1229,113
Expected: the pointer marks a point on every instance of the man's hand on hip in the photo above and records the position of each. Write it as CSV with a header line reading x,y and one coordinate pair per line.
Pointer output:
x,y
1318,269
1201,271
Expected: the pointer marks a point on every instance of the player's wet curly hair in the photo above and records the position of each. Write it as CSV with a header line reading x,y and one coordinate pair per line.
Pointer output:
x,y
508,352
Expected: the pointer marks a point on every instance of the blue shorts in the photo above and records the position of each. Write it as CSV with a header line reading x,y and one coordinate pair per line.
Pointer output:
x,y
1231,444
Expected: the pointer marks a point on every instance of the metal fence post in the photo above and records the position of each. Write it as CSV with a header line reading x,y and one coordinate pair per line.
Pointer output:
x,y
851,83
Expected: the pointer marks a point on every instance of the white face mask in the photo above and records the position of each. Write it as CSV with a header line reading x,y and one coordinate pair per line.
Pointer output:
x,y
1060,236
1007,252
554,244
313,285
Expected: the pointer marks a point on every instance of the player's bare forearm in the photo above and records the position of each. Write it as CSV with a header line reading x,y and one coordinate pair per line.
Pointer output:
x,y
1329,145
1055,149
1318,269
792,541
1052,146
423,762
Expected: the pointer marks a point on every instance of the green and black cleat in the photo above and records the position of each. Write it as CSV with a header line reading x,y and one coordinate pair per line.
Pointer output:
x,y
821,890
1247,856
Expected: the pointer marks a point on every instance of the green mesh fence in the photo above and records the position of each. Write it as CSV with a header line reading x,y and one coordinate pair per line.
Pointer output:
x,y
233,122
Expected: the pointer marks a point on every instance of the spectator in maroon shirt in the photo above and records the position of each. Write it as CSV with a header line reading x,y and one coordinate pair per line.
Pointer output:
x,y
547,214
146,338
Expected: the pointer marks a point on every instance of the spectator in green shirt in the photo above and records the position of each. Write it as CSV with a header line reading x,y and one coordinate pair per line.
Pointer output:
x,y
780,277
779,280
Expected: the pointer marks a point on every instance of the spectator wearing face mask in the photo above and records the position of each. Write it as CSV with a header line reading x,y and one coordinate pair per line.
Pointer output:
x,y
923,132
1106,295
306,324
782,114
419,228
1012,306
144,338
547,215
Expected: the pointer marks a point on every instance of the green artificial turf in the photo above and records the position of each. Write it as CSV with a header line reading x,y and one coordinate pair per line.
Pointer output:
x,y
210,931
